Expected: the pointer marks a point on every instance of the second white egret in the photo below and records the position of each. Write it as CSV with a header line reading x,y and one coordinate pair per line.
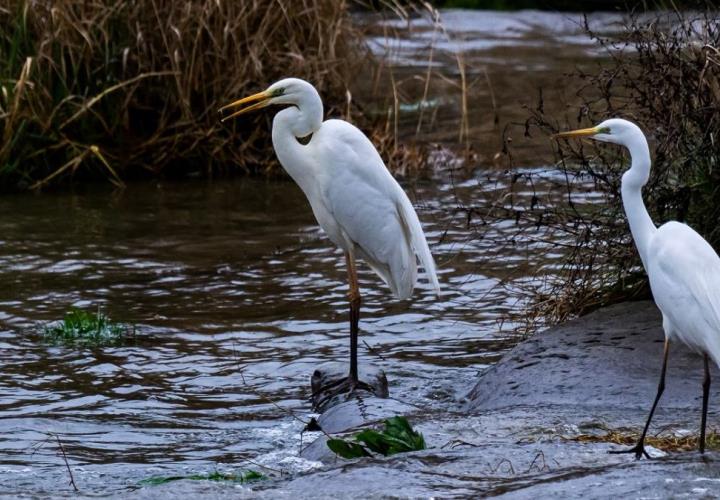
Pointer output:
x,y
683,268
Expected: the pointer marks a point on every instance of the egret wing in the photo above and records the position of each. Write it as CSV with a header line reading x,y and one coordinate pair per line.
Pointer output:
x,y
370,207
684,273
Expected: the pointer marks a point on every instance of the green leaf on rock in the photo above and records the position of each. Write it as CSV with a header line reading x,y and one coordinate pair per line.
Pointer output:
x,y
347,449
397,437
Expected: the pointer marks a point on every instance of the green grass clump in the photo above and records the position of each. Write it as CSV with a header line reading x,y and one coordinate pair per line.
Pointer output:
x,y
244,477
397,437
85,327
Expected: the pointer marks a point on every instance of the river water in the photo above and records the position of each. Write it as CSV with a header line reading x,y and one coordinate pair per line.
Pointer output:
x,y
238,295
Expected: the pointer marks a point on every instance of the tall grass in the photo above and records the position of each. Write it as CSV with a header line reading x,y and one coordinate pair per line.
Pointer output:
x,y
121,88
663,72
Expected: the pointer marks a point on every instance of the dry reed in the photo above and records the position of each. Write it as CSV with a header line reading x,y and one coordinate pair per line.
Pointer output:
x,y
662,72
664,441
131,88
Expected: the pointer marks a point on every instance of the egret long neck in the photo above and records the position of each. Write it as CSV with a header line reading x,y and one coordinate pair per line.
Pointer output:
x,y
641,225
296,121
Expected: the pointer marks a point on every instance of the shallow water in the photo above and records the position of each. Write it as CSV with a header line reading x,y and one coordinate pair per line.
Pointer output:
x,y
237,296
511,61
224,279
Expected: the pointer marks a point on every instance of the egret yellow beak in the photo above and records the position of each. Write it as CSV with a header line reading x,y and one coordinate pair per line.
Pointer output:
x,y
583,132
263,99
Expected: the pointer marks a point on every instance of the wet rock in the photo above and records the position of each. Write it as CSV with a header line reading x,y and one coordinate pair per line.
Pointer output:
x,y
349,416
346,412
523,474
609,358
328,377
513,435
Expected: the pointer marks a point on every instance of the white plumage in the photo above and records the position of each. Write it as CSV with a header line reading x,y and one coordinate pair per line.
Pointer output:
x,y
356,201
684,273
359,205
683,268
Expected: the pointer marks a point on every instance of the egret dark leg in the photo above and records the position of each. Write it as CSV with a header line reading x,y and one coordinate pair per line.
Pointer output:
x,y
639,448
355,300
350,384
706,393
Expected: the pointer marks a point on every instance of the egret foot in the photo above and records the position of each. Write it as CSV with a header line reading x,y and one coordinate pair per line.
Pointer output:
x,y
331,385
638,450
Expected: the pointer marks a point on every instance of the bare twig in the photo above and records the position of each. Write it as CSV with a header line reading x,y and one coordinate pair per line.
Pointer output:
x,y
67,464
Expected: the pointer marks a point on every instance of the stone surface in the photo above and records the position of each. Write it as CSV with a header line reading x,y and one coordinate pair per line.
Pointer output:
x,y
328,377
349,416
609,358
512,436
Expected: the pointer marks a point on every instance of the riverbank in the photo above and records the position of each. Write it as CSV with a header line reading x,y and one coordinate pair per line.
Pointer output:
x,y
152,112
131,90
516,434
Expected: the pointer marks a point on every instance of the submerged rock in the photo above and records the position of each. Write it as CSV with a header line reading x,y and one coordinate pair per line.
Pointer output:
x,y
515,435
346,412
328,377
351,416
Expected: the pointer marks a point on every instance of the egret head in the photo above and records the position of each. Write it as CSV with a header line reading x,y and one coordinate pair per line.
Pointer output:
x,y
615,130
292,91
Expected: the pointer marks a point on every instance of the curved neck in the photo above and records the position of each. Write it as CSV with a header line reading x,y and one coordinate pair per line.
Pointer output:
x,y
641,225
288,125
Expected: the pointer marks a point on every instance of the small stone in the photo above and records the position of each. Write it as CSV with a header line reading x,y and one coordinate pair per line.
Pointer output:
x,y
328,389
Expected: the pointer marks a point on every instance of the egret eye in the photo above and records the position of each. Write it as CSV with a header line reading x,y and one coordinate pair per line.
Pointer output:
x,y
604,130
278,92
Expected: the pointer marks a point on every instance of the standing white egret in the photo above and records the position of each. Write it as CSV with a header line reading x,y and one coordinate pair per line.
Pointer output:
x,y
356,201
683,268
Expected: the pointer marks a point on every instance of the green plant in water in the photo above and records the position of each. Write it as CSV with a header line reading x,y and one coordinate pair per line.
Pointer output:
x,y
84,327
244,477
397,437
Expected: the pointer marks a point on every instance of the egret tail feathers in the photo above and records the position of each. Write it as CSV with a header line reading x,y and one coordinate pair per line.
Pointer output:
x,y
711,292
418,241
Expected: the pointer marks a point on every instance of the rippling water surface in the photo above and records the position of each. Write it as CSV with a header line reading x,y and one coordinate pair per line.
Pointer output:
x,y
237,296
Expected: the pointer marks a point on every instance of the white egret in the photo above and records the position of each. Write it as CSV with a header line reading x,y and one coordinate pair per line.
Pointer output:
x,y
683,268
356,201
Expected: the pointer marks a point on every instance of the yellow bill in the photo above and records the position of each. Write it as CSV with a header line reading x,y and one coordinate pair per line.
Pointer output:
x,y
261,99
583,132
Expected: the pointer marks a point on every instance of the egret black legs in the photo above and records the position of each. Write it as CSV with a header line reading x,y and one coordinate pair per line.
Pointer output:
x,y
639,448
706,393
352,383
355,300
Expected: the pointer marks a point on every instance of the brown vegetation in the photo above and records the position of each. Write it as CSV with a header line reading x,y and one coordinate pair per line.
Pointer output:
x,y
126,88
663,441
663,72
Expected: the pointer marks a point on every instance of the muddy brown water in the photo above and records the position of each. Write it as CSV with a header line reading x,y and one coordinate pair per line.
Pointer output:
x,y
237,295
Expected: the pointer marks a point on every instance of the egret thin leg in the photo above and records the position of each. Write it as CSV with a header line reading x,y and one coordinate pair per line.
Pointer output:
x,y
355,300
706,393
639,448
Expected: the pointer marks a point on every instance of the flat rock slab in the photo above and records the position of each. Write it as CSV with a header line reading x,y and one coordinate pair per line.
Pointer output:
x,y
513,436
352,415
609,358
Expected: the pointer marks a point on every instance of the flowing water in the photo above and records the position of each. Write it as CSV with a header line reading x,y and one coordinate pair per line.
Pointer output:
x,y
237,296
